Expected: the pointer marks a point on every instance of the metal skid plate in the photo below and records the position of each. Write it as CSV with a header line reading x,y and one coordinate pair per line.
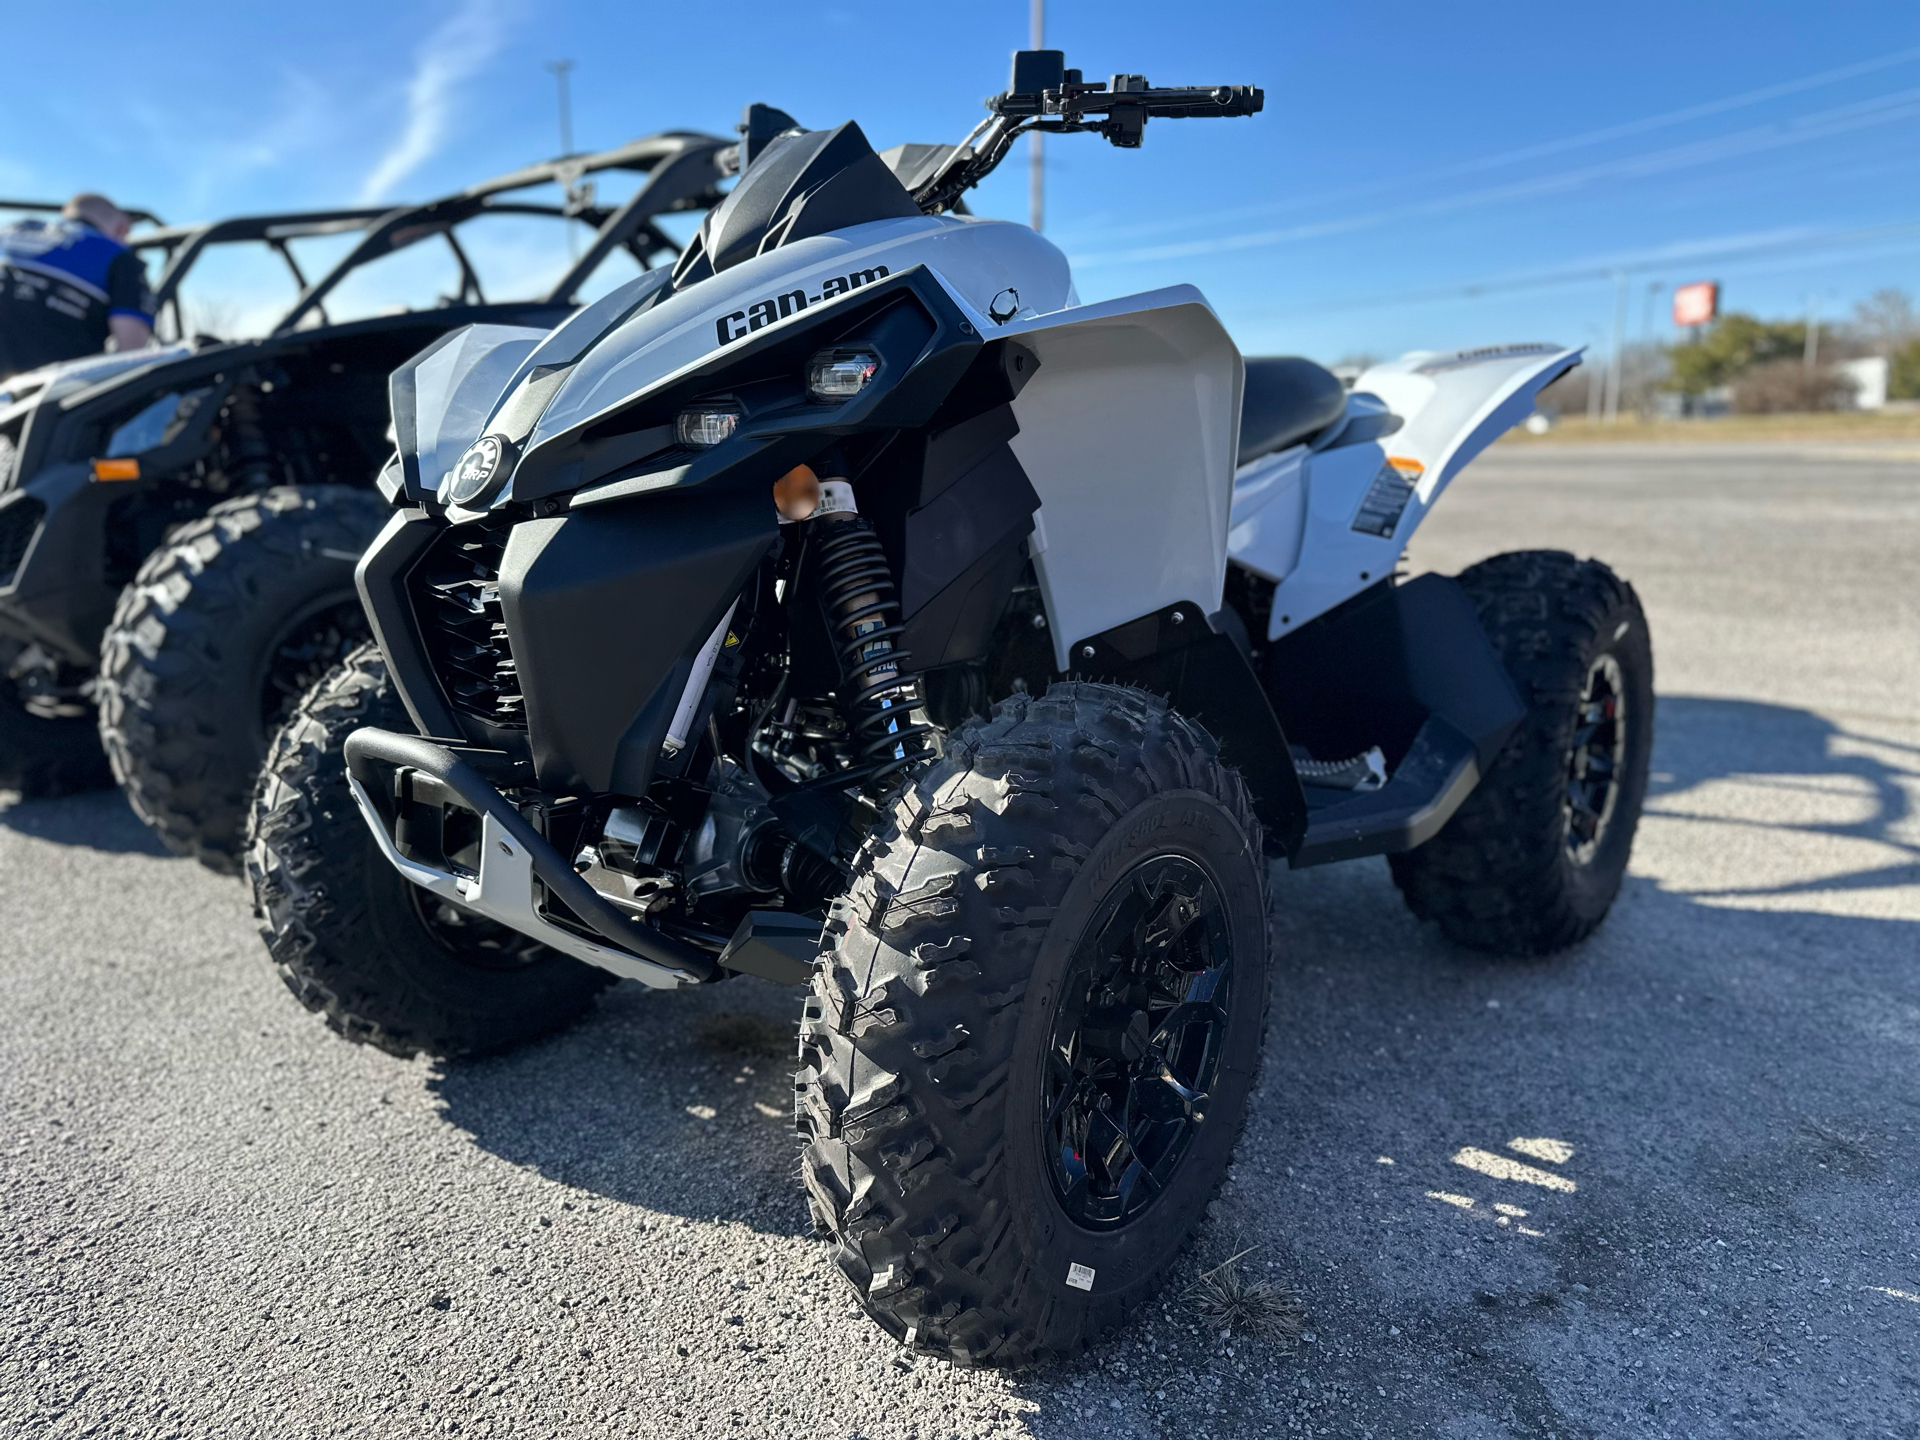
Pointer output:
x,y
504,892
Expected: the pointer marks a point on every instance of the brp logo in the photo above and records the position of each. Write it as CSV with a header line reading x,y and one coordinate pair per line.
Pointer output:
x,y
478,473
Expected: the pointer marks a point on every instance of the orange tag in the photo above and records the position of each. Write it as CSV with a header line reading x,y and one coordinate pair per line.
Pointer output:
x,y
116,469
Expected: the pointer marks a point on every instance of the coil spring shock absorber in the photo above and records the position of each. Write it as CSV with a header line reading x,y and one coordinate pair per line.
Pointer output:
x,y
879,691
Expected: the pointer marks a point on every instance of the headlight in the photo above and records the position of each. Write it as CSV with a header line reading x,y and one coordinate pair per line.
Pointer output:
x,y
160,423
840,374
479,473
705,425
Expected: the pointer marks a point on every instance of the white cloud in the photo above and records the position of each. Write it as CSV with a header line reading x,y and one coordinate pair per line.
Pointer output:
x,y
452,55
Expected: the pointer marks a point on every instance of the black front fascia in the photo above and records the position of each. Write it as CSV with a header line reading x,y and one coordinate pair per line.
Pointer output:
x,y
1206,676
925,346
607,605
381,577
606,608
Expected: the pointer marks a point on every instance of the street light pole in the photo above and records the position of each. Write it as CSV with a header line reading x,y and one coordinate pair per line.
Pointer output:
x,y
1616,360
1036,181
1645,372
560,69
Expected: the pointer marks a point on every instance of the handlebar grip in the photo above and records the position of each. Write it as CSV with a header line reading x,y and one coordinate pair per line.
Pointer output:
x,y
1194,103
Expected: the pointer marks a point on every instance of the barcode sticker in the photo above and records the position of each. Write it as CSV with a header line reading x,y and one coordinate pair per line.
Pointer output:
x,y
1080,1277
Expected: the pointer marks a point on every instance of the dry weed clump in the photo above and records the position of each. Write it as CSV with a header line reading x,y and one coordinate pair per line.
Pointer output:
x,y
1228,1299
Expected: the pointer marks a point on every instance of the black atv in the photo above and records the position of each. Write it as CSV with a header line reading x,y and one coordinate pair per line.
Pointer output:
x,y
178,527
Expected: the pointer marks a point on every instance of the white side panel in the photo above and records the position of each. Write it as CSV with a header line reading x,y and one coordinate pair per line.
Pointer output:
x,y
1269,513
1128,434
1336,560
1452,407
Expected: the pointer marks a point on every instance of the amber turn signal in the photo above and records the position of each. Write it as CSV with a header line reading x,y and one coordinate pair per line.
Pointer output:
x,y
796,494
116,469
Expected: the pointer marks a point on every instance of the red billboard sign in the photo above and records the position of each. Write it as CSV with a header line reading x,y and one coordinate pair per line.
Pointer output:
x,y
1697,303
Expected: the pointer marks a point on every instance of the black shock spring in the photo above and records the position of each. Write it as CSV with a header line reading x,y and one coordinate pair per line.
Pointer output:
x,y
879,691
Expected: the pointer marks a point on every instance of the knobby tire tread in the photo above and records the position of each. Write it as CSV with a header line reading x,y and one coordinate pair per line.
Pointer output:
x,y
178,699
1497,878
907,1034
317,879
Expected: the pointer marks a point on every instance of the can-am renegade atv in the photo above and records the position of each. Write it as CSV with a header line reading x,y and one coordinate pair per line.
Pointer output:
x,y
854,609
178,526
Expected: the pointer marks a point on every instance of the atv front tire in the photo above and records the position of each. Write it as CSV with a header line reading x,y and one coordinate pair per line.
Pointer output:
x,y
1533,860
1026,1059
222,631
385,962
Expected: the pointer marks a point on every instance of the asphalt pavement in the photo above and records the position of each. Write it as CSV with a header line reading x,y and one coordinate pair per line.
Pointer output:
x,y
1665,1184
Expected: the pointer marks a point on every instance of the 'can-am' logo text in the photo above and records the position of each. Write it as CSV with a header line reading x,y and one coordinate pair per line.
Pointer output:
x,y
742,323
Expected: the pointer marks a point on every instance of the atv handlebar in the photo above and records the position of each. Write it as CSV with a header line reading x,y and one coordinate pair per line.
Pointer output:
x,y
1047,97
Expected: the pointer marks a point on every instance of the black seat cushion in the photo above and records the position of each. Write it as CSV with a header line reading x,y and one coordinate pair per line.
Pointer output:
x,y
1287,400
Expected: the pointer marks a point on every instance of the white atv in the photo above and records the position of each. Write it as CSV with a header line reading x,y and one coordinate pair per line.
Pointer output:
x,y
852,608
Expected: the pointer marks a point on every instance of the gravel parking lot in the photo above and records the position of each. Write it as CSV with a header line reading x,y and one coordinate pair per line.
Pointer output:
x,y
1663,1185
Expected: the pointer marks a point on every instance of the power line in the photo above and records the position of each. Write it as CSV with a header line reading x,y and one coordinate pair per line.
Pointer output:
x,y
1825,124
1552,147
1664,258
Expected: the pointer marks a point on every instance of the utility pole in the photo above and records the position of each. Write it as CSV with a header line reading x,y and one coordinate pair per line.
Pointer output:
x,y
1654,287
1617,359
561,69
1810,356
1036,177
1594,386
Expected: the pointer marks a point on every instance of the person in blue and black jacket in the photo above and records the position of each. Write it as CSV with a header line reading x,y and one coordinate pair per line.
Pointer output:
x,y
71,287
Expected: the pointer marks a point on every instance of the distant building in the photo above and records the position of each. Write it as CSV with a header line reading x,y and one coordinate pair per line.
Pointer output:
x,y
1869,379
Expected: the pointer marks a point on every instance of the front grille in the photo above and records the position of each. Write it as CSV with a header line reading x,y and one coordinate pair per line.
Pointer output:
x,y
19,522
456,596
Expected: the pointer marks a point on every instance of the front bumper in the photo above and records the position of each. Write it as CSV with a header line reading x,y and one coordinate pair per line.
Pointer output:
x,y
512,854
773,944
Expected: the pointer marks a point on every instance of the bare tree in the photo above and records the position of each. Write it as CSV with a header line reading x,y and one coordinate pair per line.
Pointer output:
x,y
1886,321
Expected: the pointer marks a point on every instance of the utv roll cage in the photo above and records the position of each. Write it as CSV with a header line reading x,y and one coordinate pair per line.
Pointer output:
x,y
183,246
682,170
54,207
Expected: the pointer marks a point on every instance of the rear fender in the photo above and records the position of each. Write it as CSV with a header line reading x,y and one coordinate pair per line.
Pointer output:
x,y
1363,501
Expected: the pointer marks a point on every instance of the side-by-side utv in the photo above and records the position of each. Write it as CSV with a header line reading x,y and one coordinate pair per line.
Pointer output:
x,y
179,526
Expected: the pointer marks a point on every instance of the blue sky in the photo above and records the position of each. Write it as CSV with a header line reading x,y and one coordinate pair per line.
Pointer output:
x,y
1409,152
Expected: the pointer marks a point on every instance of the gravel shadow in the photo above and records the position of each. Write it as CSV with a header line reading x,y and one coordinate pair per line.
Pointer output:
x,y
679,1102
97,820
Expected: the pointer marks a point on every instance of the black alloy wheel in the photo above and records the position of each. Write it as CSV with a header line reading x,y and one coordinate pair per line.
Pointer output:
x,y
1136,1042
383,961
1599,751
474,940
309,646
220,635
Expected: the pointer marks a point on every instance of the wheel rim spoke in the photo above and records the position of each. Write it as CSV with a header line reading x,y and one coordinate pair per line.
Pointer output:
x,y
1136,1039
1595,760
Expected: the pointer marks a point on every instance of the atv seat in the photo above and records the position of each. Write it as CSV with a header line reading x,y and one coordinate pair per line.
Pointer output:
x,y
1287,400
